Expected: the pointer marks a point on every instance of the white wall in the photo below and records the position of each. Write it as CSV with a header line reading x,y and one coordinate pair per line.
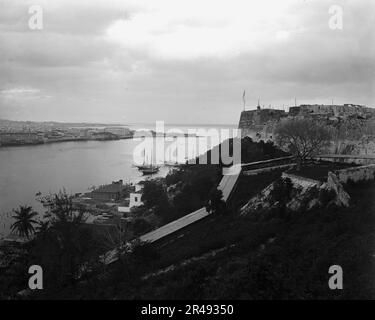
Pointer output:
x,y
135,200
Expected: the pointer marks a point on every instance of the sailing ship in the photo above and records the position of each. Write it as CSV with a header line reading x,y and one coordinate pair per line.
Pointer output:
x,y
172,163
147,169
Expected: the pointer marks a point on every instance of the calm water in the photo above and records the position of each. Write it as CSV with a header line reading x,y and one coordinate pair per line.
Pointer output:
x,y
75,166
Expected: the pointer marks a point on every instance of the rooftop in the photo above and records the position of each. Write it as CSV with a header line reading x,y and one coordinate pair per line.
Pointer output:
x,y
115,186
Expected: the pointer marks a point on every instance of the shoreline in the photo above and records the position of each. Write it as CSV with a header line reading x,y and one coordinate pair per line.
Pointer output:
x,y
185,135
60,141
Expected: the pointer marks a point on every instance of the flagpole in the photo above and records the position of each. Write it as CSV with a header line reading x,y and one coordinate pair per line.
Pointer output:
x,y
243,98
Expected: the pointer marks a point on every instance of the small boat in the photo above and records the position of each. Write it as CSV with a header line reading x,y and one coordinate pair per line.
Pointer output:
x,y
142,167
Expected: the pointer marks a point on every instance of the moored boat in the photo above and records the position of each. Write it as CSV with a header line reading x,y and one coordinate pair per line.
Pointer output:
x,y
149,170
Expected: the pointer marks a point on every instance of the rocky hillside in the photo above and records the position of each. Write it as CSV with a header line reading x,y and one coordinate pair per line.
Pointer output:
x,y
292,193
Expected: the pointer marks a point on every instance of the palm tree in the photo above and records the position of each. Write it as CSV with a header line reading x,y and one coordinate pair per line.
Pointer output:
x,y
24,221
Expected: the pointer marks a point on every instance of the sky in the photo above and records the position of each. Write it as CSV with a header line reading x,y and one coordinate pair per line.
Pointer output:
x,y
182,61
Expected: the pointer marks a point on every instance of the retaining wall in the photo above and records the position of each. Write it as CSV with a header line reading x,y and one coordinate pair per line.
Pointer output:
x,y
361,160
257,171
356,174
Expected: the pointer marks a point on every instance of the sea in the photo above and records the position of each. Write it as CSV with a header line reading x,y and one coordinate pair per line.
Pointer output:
x,y
74,167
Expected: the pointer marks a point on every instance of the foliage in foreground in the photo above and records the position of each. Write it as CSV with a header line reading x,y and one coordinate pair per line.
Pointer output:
x,y
273,257
62,244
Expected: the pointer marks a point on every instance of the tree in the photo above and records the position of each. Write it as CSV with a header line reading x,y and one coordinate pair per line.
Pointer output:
x,y
64,245
303,138
42,229
350,128
61,209
154,193
155,197
24,221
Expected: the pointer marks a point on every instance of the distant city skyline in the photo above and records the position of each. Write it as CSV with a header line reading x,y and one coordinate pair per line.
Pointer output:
x,y
182,62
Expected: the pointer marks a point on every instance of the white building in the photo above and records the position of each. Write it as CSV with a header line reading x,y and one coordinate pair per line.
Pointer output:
x,y
135,201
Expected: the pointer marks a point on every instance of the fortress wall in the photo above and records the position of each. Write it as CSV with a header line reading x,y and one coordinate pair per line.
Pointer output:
x,y
361,160
254,121
356,174
257,171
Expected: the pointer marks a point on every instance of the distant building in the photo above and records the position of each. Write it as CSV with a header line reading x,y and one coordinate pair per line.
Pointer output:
x,y
121,132
104,136
260,123
134,201
15,239
114,191
20,138
254,121
344,110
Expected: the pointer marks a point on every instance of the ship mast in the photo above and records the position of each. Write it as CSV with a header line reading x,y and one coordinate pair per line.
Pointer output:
x,y
244,100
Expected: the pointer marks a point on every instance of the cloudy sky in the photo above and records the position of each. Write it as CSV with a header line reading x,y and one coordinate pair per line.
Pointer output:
x,y
181,61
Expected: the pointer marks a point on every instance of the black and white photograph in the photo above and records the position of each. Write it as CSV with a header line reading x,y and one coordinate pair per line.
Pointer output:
x,y
185,156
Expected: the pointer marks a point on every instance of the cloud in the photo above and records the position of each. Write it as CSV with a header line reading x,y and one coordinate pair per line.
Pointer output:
x,y
194,29
98,60
23,94
19,91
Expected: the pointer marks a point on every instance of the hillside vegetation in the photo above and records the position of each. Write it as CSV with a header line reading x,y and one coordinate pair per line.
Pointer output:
x,y
252,257
279,257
